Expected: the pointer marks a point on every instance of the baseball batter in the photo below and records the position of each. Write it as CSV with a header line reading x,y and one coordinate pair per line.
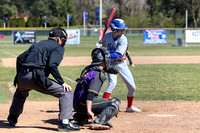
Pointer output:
x,y
116,44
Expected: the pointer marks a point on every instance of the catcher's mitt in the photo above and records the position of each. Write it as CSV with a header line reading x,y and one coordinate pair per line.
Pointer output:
x,y
112,69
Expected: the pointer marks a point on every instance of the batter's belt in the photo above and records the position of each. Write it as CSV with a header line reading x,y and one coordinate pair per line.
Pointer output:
x,y
119,60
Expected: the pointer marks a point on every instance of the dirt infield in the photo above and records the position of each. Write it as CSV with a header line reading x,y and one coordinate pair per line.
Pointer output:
x,y
157,116
85,60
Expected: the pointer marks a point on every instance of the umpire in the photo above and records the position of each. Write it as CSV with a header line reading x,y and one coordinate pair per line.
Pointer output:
x,y
33,68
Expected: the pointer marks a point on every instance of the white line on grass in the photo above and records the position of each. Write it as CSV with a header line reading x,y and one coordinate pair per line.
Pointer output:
x,y
100,93
69,79
8,53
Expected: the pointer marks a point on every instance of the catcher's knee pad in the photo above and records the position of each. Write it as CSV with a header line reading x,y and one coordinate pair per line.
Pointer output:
x,y
109,111
115,102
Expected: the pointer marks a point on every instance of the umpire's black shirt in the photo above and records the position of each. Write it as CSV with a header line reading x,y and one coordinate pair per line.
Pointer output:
x,y
46,55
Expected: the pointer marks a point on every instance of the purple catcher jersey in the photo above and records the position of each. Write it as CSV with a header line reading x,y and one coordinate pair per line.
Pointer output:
x,y
91,83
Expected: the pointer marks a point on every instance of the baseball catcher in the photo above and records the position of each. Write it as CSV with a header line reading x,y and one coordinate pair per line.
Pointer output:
x,y
86,104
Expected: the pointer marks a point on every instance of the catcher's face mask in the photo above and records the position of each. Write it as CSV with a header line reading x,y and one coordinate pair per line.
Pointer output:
x,y
100,55
106,57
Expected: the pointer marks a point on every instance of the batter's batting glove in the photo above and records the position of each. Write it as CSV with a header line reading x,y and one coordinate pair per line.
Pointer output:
x,y
98,45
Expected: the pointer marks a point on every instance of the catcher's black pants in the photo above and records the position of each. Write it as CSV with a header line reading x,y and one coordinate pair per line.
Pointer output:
x,y
98,105
26,82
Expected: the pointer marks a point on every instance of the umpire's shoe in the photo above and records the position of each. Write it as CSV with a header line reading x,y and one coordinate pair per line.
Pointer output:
x,y
12,119
68,127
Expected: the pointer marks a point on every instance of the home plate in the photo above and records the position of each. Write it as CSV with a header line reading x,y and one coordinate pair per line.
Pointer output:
x,y
161,115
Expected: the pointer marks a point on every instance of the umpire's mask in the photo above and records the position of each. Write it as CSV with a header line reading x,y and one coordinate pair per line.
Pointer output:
x,y
100,55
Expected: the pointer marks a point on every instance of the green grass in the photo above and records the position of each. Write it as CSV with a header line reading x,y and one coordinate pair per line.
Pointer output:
x,y
136,48
85,49
3,98
153,82
7,74
167,82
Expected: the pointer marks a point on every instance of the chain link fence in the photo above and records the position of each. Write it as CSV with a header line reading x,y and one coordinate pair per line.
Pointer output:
x,y
135,36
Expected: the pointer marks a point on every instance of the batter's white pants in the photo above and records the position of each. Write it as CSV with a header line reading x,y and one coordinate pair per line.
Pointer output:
x,y
126,76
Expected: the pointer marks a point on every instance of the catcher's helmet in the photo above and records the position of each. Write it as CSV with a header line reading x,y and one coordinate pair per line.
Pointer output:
x,y
59,32
100,55
117,24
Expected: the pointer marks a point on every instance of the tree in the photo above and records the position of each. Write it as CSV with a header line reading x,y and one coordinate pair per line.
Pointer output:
x,y
69,7
137,21
29,22
156,12
55,11
21,22
20,7
7,8
174,10
193,7
40,8
136,13
88,6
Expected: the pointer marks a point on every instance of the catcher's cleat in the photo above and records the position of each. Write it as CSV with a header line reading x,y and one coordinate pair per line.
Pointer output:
x,y
133,109
68,127
81,119
12,119
108,124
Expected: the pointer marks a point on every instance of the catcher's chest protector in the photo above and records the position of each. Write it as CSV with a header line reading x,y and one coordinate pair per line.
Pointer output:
x,y
87,70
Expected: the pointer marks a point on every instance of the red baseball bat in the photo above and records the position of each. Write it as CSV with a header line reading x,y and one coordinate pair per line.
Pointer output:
x,y
108,22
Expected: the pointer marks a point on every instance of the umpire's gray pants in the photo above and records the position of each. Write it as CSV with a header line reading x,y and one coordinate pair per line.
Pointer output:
x,y
26,82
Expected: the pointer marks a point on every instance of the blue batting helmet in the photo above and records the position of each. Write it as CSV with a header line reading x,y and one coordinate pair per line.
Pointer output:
x,y
117,24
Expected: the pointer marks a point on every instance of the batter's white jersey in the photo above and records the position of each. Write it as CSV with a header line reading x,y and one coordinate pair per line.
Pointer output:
x,y
119,45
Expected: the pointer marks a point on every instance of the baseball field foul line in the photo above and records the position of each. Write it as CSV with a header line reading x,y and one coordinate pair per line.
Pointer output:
x,y
100,93
69,79
8,53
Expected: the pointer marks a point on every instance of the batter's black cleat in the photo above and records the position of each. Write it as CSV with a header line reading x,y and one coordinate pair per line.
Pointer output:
x,y
67,127
12,119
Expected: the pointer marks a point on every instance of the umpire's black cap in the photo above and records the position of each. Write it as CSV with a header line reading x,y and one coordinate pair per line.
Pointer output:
x,y
58,32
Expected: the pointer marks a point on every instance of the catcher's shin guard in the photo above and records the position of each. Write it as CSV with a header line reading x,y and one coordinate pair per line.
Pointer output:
x,y
108,112
115,102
